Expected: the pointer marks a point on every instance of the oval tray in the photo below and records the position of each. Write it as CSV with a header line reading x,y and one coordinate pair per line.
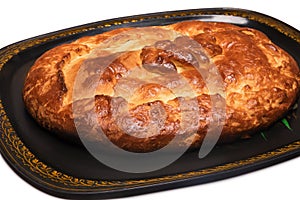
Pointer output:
x,y
64,170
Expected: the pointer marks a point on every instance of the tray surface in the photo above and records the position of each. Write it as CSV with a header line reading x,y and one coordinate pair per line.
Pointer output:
x,y
37,155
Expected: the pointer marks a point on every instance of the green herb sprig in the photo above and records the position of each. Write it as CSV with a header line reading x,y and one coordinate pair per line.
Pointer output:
x,y
286,123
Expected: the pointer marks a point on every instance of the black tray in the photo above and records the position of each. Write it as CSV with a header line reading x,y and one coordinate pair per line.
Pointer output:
x,y
65,170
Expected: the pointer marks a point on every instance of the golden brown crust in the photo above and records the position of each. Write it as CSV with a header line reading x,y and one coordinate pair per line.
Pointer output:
x,y
261,83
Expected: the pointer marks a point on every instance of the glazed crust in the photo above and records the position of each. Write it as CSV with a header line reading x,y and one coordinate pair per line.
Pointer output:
x,y
146,95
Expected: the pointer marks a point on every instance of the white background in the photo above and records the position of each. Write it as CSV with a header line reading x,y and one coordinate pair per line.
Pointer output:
x,y
24,19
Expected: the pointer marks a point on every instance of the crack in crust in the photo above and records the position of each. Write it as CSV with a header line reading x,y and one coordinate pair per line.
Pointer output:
x,y
145,86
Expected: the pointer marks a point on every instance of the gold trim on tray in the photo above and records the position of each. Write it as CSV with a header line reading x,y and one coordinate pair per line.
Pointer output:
x,y
19,153
28,159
